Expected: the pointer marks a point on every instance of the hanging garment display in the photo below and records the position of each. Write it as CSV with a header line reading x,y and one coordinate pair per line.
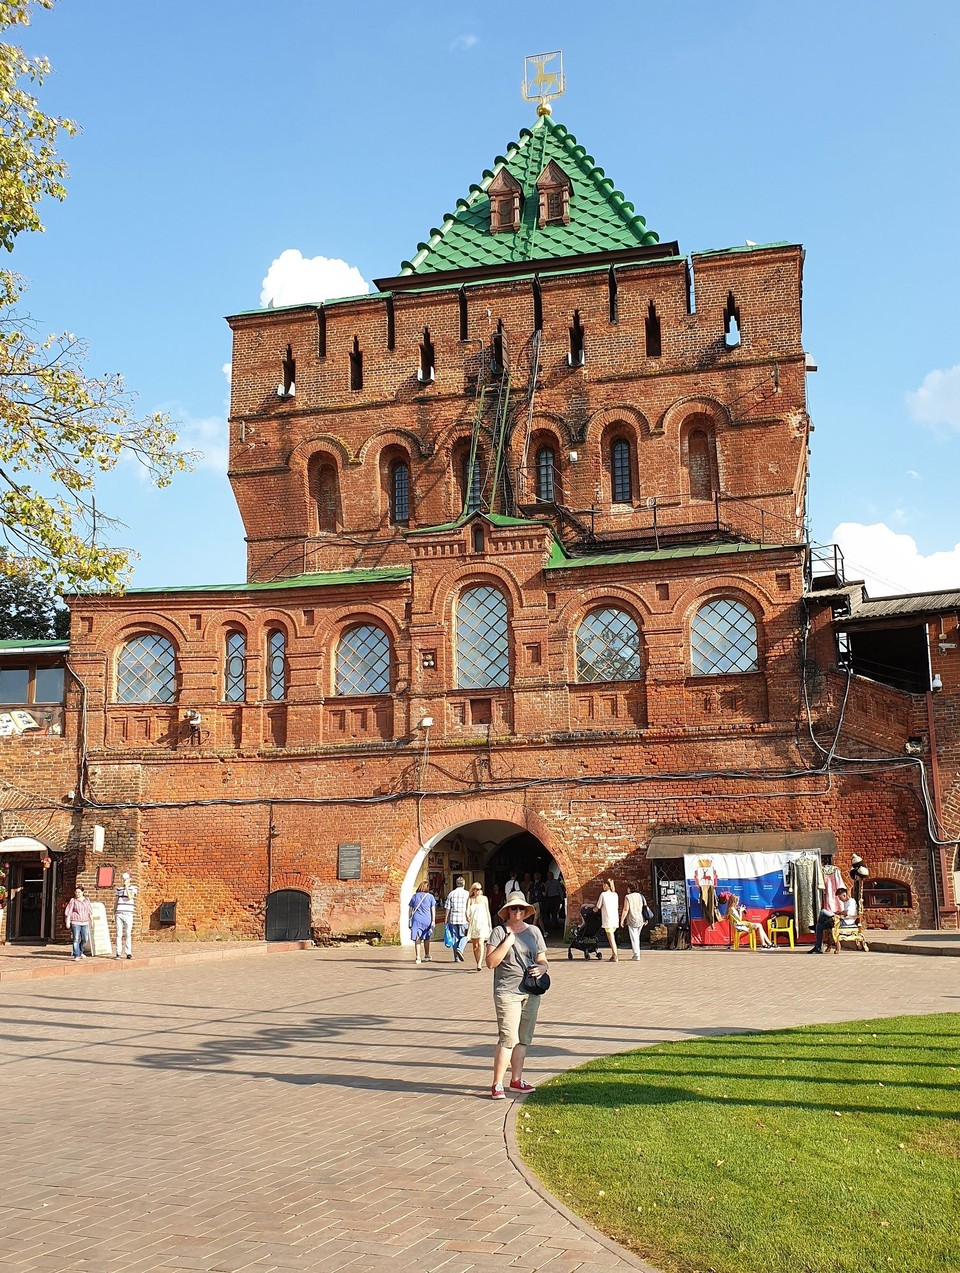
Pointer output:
x,y
803,878
758,880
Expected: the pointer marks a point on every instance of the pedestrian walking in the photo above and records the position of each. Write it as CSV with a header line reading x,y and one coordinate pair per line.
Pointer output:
x,y
609,907
479,923
632,916
123,915
77,915
455,918
515,946
423,917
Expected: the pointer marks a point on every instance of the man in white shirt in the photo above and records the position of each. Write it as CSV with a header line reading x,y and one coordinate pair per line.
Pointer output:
x,y
844,906
456,917
126,897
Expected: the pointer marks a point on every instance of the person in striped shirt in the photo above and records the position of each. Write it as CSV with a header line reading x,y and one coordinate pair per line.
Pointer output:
x,y
126,896
77,915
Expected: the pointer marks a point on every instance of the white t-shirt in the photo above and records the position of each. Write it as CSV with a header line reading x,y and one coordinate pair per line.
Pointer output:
x,y
609,909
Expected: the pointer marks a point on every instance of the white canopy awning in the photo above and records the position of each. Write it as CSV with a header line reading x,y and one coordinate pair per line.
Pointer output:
x,y
24,844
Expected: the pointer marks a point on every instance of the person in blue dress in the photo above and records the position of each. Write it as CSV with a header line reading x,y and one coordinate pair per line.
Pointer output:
x,y
423,916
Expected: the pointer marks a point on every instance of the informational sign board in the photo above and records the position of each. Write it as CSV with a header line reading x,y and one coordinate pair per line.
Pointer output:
x,y
100,943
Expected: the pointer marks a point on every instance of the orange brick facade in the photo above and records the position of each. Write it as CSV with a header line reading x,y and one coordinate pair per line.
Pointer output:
x,y
263,793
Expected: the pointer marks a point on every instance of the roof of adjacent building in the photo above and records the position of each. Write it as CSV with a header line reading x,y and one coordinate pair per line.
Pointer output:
x,y
907,605
34,647
601,217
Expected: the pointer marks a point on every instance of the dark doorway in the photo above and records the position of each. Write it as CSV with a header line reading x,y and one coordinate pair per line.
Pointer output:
x,y
288,915
522,857
31,902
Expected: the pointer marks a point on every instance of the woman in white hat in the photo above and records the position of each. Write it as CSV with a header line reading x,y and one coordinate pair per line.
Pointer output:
x,y
515,946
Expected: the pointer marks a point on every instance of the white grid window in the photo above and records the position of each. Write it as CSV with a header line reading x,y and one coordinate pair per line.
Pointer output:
x,y
147,671
483,639
235,668
608,647
363,661
277,665
546,464
723,639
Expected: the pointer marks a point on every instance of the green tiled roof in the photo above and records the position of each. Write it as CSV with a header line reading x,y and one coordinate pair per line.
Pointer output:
x,y
495,519
34,647
560,560
328,579
601,219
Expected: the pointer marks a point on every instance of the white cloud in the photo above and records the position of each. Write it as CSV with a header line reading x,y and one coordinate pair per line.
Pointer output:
x,y
462,42
937,401
294,279
891,562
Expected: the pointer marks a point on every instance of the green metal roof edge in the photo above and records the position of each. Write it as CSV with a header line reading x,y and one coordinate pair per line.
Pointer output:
x,y
561,560
495,519
327,579
746,247
286,309
53,647
527,276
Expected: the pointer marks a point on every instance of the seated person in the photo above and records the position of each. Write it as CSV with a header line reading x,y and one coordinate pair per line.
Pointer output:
x,y
845,908
848,915
737,916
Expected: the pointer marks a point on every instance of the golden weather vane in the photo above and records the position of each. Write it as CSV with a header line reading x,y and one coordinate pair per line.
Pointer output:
x,y
543,79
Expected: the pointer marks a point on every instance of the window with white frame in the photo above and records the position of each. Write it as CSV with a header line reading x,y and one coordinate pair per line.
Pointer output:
x,y
483,639
723,639
276,664
147,670
608,647
235,668
363,661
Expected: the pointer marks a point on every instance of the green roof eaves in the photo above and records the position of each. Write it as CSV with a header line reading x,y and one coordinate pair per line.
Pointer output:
x,y
745,247
324,579
34,647
561,560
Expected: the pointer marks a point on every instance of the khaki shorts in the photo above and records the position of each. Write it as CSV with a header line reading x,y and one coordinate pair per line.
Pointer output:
x,y
516,1018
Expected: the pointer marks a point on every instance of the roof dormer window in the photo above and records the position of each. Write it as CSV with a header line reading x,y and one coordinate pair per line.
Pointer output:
x,y
506,203
554,189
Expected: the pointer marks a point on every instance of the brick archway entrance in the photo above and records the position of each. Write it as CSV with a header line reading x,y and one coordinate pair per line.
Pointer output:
x,y
470,833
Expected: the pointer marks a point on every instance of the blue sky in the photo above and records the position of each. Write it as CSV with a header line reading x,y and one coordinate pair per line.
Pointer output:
x,y
216,136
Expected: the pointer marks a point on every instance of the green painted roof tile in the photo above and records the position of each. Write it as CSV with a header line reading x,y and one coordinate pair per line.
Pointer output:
x,y
326,579
561,560
601,219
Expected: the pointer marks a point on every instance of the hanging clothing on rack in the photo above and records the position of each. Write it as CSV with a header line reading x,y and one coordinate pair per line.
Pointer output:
x,y
832,880
706,880
804,879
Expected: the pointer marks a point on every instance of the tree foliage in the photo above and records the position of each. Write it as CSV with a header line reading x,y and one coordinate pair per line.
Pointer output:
x,y
29,608
60,427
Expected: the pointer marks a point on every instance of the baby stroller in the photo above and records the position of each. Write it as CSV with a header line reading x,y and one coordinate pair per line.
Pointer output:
x,y
587,934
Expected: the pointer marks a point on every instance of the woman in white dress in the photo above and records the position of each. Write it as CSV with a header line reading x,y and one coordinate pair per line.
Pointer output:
x,y
609,906
479,923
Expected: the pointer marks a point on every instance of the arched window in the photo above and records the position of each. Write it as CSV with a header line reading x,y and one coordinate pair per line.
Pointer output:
x,y
235,668
723,638
608,647
363,661
700,465
147,670
276,664
546,466
399,492
326,495
621,480
483,639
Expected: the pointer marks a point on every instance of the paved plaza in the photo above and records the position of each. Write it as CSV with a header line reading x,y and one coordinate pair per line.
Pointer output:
x,y
328,1110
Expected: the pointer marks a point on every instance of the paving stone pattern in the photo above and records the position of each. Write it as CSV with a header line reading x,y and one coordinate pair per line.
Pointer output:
x,y
329,1110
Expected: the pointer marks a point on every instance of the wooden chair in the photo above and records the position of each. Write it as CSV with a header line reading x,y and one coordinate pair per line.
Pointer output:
x,y
848,933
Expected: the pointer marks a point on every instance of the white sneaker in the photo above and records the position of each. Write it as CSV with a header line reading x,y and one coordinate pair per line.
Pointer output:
x,y
417,960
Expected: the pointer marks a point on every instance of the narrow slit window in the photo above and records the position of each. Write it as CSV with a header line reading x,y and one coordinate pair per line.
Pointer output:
x,y
462,303
472,494
327,496
400,493
700,462
356,365
427,359
577,353
391,325
497,362
652,325
288,375
321,332
731,323
477,539
537,306
612,295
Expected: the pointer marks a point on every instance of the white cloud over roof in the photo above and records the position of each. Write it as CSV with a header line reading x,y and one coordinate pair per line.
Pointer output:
x,y
937,401
891,563
295,279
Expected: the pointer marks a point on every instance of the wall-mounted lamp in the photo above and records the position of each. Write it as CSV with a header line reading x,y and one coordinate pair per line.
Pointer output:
x,y
428,659
935,682
913,747
809,363
573,457
426,723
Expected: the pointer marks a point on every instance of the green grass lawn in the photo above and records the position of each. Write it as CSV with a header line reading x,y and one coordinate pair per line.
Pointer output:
x,y
825,1149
